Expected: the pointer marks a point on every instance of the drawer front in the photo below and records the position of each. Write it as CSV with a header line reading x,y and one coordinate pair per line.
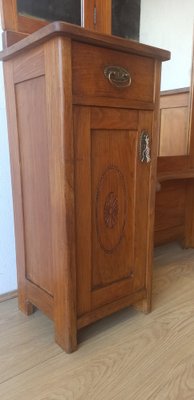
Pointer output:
x,y
89,63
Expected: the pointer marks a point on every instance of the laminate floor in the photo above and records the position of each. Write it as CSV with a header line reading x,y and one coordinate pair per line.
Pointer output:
x,y
128,356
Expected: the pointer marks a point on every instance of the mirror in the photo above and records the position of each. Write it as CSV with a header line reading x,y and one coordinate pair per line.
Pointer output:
x,y
162,24
51,10
169,25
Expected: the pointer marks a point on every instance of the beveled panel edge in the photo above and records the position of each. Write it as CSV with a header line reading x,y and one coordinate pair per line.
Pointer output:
x,y
175,91
8,296
112,102
29,66
80,34
109,309
40,299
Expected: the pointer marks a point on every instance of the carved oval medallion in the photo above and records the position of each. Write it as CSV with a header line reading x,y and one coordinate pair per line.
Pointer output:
x,y
111,208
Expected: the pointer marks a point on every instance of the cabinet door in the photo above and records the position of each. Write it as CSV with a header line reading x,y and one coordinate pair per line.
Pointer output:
x,y
112,204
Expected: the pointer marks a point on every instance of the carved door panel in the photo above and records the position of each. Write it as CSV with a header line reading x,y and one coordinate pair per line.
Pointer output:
x,y
112,198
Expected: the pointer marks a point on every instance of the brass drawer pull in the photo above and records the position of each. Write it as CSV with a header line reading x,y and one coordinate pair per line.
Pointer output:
x,y
145,156
117,76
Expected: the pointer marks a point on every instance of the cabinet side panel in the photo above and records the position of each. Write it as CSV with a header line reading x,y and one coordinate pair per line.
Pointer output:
x,y
34,159
16,185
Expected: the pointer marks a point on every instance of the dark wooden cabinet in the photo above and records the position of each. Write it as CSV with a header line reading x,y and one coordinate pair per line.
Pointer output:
x,y
83,127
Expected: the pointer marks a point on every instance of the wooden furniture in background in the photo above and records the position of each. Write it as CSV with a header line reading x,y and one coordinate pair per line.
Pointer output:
x,y
96,16
104,16
83,197
174,122
175,202
174,139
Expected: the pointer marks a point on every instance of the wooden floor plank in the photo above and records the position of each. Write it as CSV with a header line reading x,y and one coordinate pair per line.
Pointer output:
x,y
24,342
126,356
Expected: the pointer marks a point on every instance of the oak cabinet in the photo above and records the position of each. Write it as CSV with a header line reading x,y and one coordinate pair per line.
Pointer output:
x,y
83,127
109,212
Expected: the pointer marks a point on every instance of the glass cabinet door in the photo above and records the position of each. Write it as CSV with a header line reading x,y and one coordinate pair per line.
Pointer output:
x,y
125,13
126,18
51,10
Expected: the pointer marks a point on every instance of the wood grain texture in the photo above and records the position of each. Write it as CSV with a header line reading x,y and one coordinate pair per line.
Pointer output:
x,y
111,308
103,23
115,102
8,10
34,159
29,66
112,352
170,211
111,185
10,37
169,235
154,126
191,114
16,25
176,137
170,205
24,305
86,36
29,25
174,118
189,208
60,131
176,103
32,337
146,180
13,21
87,200
113,201
88,74
189,216
174,171
40,299
82,124
172,165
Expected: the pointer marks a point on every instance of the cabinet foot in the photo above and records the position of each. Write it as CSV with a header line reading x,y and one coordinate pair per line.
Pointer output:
x,y
27,308
68,344
144,306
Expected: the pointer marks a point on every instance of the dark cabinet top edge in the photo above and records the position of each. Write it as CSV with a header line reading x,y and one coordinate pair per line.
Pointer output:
x,y
77,33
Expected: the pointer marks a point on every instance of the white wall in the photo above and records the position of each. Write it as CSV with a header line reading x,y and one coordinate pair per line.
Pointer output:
x,y
169,24
7,242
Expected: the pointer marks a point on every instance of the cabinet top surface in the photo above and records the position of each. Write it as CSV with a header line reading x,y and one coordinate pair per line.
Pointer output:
x,y
62,29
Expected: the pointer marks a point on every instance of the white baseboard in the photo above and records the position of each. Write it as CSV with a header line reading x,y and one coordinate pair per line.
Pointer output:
x,y
8,296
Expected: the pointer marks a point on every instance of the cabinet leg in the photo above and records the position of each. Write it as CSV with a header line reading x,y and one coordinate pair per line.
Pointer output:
x,y
144,306
24,305
67,340
28,309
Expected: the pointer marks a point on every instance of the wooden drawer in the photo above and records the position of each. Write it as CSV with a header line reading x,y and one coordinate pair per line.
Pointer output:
x,y
88,73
